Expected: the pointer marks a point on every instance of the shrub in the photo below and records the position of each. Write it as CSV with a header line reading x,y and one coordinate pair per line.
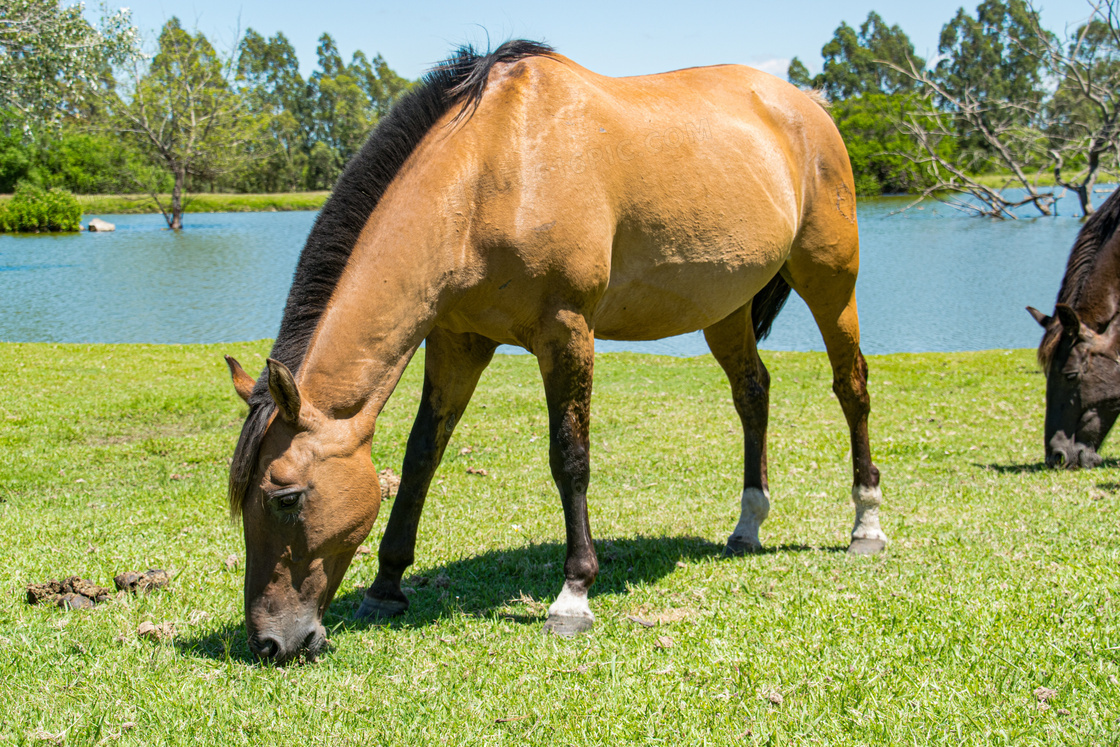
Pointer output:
x,y
33,209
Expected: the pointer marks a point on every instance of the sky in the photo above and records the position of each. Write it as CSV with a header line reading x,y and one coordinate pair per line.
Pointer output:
x,y
611,38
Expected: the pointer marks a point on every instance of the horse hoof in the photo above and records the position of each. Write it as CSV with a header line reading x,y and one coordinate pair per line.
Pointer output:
x,y
567,626
867,546
380,609
737,547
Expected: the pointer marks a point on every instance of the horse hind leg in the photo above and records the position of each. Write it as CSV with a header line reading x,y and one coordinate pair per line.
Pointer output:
x,y
565,352
452,366
829,291
733,345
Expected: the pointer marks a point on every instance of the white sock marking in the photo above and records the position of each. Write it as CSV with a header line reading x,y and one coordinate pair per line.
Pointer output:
x,y
755,508
571,604
867,501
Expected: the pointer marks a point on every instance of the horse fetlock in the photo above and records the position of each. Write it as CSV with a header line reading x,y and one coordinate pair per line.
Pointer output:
x,y
755,507
867,529
570,613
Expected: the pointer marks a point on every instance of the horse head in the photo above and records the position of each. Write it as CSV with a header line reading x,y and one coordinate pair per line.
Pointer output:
x,y
1082,388
311,500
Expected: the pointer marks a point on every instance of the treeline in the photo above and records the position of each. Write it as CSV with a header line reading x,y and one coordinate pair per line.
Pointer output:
x,y
125,133
1004,97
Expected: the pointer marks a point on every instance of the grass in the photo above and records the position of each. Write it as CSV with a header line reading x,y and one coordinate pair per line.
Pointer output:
x,y
205,203
1001,577
1039,179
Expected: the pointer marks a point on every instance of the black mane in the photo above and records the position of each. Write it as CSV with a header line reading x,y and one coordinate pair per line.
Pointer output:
x,y
458,81
1092,238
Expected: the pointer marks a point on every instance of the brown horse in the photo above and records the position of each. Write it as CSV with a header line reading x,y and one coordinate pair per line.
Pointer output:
x,y
1080,350
518,198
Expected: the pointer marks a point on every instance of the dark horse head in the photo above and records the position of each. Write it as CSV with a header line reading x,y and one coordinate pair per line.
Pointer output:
x,y
1080,350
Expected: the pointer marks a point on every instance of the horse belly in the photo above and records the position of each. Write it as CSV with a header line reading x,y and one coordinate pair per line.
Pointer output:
x,y
675,296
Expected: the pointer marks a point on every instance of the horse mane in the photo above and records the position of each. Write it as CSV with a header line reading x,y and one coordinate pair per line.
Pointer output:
x,y
1092,238
459,81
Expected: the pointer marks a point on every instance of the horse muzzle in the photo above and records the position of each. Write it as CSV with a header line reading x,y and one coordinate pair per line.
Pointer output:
x,y
272,644
1066,453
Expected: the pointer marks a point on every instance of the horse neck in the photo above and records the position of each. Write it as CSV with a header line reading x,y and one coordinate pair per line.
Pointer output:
x,y
399,275
1099,299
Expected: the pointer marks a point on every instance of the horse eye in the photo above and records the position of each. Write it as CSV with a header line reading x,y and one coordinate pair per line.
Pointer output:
x,y
287,499
1071,376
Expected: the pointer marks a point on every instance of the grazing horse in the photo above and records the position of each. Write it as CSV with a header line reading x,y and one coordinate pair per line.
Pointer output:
x,y
1080,349
518,198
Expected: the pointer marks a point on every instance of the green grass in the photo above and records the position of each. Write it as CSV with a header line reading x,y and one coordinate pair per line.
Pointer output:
x,y
205,203
1001,577
1039,179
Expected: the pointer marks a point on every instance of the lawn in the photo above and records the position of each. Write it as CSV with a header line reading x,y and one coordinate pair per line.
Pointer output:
x,y
991,619
209,202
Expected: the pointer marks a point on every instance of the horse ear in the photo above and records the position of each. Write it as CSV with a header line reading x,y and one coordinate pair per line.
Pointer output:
x,y
282,387
1042,319
1072,324
242,381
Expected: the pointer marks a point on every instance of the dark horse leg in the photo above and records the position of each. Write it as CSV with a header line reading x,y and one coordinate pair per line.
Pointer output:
x,y
453,364
832,300
733,345
565,352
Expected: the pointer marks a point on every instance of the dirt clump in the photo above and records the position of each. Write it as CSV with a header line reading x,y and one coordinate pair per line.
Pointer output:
x,y
136,582
389,483
70,593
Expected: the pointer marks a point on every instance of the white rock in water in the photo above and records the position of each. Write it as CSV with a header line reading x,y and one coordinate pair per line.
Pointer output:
x,y
99,225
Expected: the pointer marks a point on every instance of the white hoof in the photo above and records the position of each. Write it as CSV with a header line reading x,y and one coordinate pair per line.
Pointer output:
x,y
867,502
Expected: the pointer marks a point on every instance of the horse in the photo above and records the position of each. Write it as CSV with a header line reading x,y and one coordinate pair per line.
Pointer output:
x,y
1080,348
515,197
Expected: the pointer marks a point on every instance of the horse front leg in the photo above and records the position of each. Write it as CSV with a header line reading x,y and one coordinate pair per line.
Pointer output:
x,y
453,364
733,345
565,354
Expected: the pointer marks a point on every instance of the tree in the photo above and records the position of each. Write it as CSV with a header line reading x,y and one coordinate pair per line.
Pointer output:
x,y
51,58
868,98
989,94
853,62
185,115
1083,123
985,94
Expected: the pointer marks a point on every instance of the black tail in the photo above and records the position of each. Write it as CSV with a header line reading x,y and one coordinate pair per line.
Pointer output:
x,y
767,304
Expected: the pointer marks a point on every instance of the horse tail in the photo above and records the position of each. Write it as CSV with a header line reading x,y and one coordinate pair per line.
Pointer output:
x,y
767,304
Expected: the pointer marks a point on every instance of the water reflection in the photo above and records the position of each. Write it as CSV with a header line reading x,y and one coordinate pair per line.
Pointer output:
x,y
930,280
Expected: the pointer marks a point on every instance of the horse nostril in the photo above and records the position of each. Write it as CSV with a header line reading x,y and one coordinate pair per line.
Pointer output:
x,y
1056,459
264,646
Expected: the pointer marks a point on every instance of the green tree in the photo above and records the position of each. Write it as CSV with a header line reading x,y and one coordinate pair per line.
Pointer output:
x,y
184,115
52,59
854,61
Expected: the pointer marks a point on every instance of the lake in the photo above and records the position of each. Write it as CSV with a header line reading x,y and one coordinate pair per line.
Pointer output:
x,y
931,279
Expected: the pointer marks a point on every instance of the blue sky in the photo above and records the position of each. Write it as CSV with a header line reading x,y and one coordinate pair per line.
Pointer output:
x,y
608,37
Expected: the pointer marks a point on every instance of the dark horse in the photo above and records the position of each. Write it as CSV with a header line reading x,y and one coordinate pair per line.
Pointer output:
x,y
519,198
1080,350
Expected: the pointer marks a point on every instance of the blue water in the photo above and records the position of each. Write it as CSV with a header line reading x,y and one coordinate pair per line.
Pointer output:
x,y
931,279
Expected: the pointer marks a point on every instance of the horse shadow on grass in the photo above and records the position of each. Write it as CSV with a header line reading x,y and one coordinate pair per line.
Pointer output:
x,y
514,584
1026,469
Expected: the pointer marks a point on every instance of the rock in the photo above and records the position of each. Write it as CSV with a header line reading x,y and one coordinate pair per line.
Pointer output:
x,y
100,226
136,582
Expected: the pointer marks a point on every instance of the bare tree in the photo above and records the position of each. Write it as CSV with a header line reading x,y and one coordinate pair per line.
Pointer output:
x,y
184,113
1036,104
1084,113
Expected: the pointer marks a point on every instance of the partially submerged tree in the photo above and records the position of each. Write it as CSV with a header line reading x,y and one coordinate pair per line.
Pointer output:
x,y
988,95
186,115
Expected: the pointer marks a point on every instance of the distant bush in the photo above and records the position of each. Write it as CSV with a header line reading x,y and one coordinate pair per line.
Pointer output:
x,y
33,209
